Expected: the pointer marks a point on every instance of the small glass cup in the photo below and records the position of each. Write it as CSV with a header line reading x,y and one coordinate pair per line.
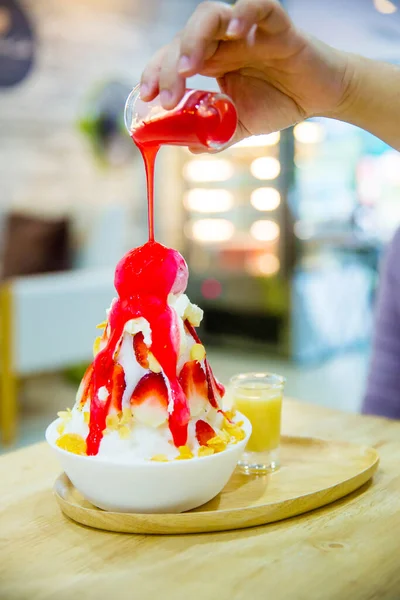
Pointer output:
x,y
137,111
258,396
207,120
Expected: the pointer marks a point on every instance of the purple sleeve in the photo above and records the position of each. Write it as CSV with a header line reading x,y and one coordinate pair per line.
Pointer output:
x,y
383,387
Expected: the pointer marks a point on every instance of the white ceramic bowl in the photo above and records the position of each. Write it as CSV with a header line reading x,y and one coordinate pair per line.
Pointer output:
x,y
145,486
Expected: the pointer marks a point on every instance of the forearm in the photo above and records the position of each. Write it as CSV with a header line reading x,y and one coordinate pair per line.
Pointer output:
x,y
372,98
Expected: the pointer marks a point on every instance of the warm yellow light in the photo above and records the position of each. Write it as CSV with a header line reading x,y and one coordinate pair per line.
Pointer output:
x,y
265,167
208,200
212,230
265,198
258,141
308,132
385,6
203,169
265,230
266,264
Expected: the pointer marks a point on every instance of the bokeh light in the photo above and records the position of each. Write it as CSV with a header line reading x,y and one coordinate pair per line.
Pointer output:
x,y
208,200
265,230
265,167
265,198
211,230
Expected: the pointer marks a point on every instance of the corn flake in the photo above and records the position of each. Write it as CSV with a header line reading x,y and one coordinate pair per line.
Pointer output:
x,y
159,458
230,414
96,346
65,415
184,453
205,451
234,430
224,435
112,422
218,443
126,416
72,442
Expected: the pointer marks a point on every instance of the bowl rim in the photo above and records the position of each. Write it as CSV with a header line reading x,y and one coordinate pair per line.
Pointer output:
x,y
146,462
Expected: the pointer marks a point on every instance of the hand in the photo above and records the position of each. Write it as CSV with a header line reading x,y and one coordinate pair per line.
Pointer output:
x,y
276,75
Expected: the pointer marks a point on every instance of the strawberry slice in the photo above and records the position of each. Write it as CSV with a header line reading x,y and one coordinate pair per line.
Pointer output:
x,y
216,390
150,400
118,386
141,350
204,432
212,388
194,385
152,385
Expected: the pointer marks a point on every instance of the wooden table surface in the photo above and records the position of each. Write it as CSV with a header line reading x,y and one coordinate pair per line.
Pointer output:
x,y
346,551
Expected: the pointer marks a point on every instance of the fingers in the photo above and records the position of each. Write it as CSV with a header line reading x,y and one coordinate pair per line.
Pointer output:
x,y
167,71
149,83
211,23
161,77
267,15
199,39
171,83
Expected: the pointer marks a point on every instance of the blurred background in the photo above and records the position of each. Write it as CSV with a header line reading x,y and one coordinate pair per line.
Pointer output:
x,y
283,233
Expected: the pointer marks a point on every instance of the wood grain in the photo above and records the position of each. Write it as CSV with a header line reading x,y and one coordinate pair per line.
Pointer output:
x,y
314,473
348,549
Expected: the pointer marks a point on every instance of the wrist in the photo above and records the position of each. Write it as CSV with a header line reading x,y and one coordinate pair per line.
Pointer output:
x,y
351,84
332,75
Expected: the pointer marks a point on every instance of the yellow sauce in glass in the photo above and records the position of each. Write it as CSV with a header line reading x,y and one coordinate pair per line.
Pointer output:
x,y
263,407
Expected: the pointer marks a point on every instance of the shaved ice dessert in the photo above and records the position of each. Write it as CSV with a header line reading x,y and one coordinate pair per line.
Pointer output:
x,y
150,393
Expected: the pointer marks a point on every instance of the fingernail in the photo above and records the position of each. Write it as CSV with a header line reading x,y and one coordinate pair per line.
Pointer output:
x,y
144,90
165,97
184,64
234,28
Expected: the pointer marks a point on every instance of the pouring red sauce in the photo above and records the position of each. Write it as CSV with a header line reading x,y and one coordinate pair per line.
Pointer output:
x,y
203,120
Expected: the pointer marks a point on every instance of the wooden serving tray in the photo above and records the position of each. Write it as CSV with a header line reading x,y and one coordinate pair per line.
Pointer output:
x,y
313,473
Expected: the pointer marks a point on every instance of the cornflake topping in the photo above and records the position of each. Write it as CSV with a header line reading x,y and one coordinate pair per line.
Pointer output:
x,y
234,430
205,451
121,422
219,442
96,345
72,442
65,416
184,453
159,458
